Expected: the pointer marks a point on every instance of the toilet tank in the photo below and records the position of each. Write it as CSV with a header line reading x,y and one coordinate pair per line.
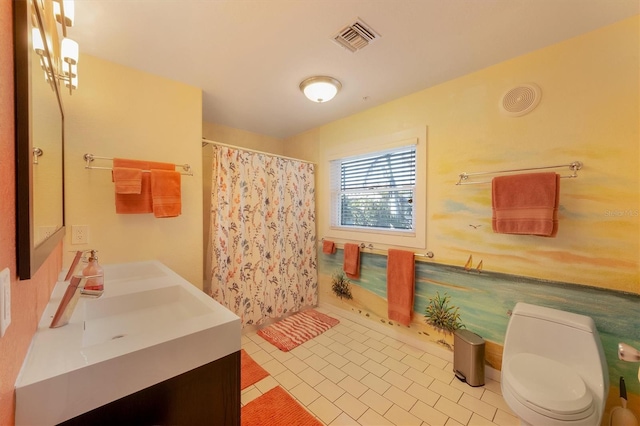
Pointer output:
x,y
569,338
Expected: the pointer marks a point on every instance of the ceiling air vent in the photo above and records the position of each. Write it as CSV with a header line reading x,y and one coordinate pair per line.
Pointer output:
x,y
355,36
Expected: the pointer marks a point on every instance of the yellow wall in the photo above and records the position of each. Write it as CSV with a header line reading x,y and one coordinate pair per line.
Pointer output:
x,y
121,112
589,112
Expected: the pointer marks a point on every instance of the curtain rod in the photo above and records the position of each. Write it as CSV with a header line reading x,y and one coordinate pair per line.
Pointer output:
x,y
210,142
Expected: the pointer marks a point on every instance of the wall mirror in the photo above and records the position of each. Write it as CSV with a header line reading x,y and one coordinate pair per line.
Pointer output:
x,y
39,138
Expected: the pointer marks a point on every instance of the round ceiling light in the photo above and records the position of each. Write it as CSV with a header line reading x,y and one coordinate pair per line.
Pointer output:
x,y
320,89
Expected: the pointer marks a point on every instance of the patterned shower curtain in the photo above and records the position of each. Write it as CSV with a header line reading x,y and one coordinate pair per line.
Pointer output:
x,y
263,238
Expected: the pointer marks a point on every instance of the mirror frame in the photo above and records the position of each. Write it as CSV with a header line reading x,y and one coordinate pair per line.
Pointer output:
x,y
28,257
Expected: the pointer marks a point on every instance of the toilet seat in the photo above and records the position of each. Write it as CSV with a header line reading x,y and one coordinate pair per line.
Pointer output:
x,y
548,387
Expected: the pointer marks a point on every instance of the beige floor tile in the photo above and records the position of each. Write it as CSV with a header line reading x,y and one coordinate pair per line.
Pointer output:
x,y
401,417
375,368
261,356
453,410
415,362
333,373
375,355
428,414
315,362
397,380
357,346
336,360
375,334
338,348
342,338
371,418
329,390
322,351
434,360
445,376
453,422
502,418
376,383
419,377
304,393
296,365
474,391
353,386
392,352
375,344
354,371
301,352
375,401
478,420
395,365
324,409
273,367
311,376
400,398
288,379
351,405
359,336
266,384
493,386
477,406
446,390
356,357
281,356
496,400
422,393
251,393
343,420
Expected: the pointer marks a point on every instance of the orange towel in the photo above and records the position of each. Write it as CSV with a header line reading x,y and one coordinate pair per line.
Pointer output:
x,y
351,265
142,202
328,247
165,193
526,204
400,284
127,180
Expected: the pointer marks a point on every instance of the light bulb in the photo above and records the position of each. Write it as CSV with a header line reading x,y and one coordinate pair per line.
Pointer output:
x,y
69,51
37,42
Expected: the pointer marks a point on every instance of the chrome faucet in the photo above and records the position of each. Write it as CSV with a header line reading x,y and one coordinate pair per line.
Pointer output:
x,y
67,305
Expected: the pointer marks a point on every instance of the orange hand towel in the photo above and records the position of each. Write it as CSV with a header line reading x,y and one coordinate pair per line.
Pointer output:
x,y
328,247
142,202
351,265
400,284
165,193
127,180
526,204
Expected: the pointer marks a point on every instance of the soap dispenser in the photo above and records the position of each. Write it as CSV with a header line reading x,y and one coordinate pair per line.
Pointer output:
x,y
95,271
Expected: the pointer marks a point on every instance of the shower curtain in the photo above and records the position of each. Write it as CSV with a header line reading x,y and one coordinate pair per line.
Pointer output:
x,y
262,236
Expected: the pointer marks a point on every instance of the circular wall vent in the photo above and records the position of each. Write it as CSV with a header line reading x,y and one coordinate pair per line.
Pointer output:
x,y
520,100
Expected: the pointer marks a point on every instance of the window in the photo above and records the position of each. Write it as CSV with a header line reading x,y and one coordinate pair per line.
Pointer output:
x,y
375,191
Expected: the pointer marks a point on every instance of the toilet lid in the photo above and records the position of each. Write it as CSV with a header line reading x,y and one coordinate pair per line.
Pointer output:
x,y
551,386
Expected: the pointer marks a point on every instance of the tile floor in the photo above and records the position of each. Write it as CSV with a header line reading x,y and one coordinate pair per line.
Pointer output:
x,y
356,375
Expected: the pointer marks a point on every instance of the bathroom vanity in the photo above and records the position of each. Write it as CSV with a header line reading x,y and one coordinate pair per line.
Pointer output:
x,y
153,349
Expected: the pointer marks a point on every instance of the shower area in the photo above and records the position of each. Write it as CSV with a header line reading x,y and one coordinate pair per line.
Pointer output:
x,y
260,232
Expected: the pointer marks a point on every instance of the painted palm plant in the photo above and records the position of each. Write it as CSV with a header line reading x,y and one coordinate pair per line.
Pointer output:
x,y
441,316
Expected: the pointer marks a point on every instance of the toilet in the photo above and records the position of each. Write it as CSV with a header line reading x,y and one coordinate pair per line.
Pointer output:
x,y
554,371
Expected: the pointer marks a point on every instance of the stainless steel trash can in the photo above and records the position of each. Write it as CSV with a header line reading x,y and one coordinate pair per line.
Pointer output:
x,y
468,357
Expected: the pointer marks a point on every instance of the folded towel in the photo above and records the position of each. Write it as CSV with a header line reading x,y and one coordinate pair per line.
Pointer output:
x,y
328,247
351,265
142,202
127,180
400,284
165,193
526,204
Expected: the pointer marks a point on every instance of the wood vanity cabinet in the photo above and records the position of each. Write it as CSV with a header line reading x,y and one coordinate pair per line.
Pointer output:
x,y
207,395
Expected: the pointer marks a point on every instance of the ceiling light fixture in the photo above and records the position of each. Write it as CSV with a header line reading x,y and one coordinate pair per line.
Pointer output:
x,y
320,89
64,68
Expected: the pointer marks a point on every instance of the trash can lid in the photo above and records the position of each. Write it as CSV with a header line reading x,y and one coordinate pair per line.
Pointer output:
x,y
469,337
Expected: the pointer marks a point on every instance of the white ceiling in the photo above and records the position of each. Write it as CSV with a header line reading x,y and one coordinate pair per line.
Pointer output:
x,y
249,56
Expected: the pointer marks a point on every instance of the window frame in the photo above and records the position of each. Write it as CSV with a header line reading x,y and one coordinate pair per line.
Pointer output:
x,y
381,238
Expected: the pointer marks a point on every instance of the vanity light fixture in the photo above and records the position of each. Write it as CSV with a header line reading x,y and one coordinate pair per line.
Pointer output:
x,y
320,89
65,68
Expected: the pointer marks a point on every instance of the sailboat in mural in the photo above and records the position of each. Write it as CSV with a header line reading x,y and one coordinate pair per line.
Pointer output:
x,y
469,265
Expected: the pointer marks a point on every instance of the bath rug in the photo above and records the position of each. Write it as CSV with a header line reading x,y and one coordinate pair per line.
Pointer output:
x,y
293,331
274,408
250,371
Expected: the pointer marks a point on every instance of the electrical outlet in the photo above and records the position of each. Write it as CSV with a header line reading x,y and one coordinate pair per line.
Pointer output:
x,y
45,232
79,234
5,300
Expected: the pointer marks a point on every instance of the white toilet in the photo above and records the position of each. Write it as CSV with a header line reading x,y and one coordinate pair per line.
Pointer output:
x,y
554,372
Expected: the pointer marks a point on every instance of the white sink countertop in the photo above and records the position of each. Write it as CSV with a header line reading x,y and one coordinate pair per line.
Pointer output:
x,y
149,325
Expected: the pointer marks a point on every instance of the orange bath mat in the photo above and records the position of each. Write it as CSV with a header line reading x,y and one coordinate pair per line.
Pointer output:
x,y
274,408
293,331
250,371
